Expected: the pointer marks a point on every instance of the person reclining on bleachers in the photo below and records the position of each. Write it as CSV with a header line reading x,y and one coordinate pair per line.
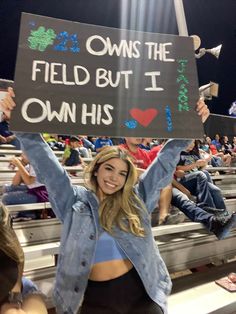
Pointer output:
x,y
18,295
25,188
219,221
198,181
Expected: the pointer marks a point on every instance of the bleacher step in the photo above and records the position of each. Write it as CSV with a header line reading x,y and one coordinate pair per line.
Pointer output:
x,y
198,294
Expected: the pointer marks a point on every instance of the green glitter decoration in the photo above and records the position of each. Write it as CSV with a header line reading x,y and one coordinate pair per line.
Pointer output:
x,y
41,39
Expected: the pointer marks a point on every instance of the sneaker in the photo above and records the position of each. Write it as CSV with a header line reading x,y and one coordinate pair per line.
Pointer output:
x,y
173,219
221,213
221,227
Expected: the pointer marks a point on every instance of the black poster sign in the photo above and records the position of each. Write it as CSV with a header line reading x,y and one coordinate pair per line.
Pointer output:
x,y
74,78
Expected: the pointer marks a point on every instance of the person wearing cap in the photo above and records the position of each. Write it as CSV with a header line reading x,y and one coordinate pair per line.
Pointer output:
x,y
71,155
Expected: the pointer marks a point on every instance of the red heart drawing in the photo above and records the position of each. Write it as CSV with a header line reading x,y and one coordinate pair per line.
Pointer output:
x,y
144,117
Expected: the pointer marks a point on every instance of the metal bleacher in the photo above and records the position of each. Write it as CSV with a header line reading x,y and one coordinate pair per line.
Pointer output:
x,y
197,292
184,246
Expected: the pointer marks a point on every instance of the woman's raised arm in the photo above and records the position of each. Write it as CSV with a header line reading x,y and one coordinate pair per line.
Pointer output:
x,y
46,165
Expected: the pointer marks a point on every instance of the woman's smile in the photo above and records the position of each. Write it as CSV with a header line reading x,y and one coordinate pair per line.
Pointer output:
x,y
111,176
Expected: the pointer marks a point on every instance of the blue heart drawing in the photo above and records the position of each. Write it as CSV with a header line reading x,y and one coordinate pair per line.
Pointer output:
x,y
131,124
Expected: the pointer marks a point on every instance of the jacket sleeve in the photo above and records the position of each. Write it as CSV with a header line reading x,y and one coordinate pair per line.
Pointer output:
x,y
160,173
49,172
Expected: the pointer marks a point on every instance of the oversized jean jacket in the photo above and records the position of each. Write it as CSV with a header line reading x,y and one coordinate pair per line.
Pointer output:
x,y
77,208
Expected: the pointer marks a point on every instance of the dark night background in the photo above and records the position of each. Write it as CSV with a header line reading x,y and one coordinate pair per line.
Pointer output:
x,y
212,20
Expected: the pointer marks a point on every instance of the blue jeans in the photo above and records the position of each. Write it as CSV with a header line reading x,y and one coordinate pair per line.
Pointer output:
x,y
206,192
216,161
190,209
16,143
17,194
209,179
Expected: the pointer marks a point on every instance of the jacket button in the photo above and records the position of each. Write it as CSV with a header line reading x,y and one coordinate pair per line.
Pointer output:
x,y
83,263
76,289
91,237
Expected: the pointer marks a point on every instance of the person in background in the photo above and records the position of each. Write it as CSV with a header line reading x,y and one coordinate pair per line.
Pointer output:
x,y
142,161
155,149
71,155
205,152
227,147
146,143
226,159
83,151
234,144
56,142
6,136
217,143
51,139
101,142
88,145
25,188
18,295
115,140
198,181
141,157
220,222
92,139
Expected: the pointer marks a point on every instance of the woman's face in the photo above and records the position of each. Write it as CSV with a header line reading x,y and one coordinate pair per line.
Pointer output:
x,y
208,140
111,176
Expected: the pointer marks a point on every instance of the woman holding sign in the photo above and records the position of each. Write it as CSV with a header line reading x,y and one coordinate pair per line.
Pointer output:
x,y
108,256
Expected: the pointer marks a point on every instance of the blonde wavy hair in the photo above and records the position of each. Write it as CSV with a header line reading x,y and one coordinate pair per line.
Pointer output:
x,y
123,208
9,242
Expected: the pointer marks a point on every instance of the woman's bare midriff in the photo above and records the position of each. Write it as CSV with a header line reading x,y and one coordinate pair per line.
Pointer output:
x,y
109,270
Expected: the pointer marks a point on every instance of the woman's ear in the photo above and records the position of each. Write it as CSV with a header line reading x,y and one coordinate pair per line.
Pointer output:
x,y
95,174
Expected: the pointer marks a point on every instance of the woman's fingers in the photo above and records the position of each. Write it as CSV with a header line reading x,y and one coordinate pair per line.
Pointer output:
x,y
7,104
202,110
11,91
9,101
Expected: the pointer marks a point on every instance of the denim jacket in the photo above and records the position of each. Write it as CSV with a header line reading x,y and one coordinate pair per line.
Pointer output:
x,y
77,208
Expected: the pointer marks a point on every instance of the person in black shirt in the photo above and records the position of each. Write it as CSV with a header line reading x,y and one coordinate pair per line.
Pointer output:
x,y
71,154
6,136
